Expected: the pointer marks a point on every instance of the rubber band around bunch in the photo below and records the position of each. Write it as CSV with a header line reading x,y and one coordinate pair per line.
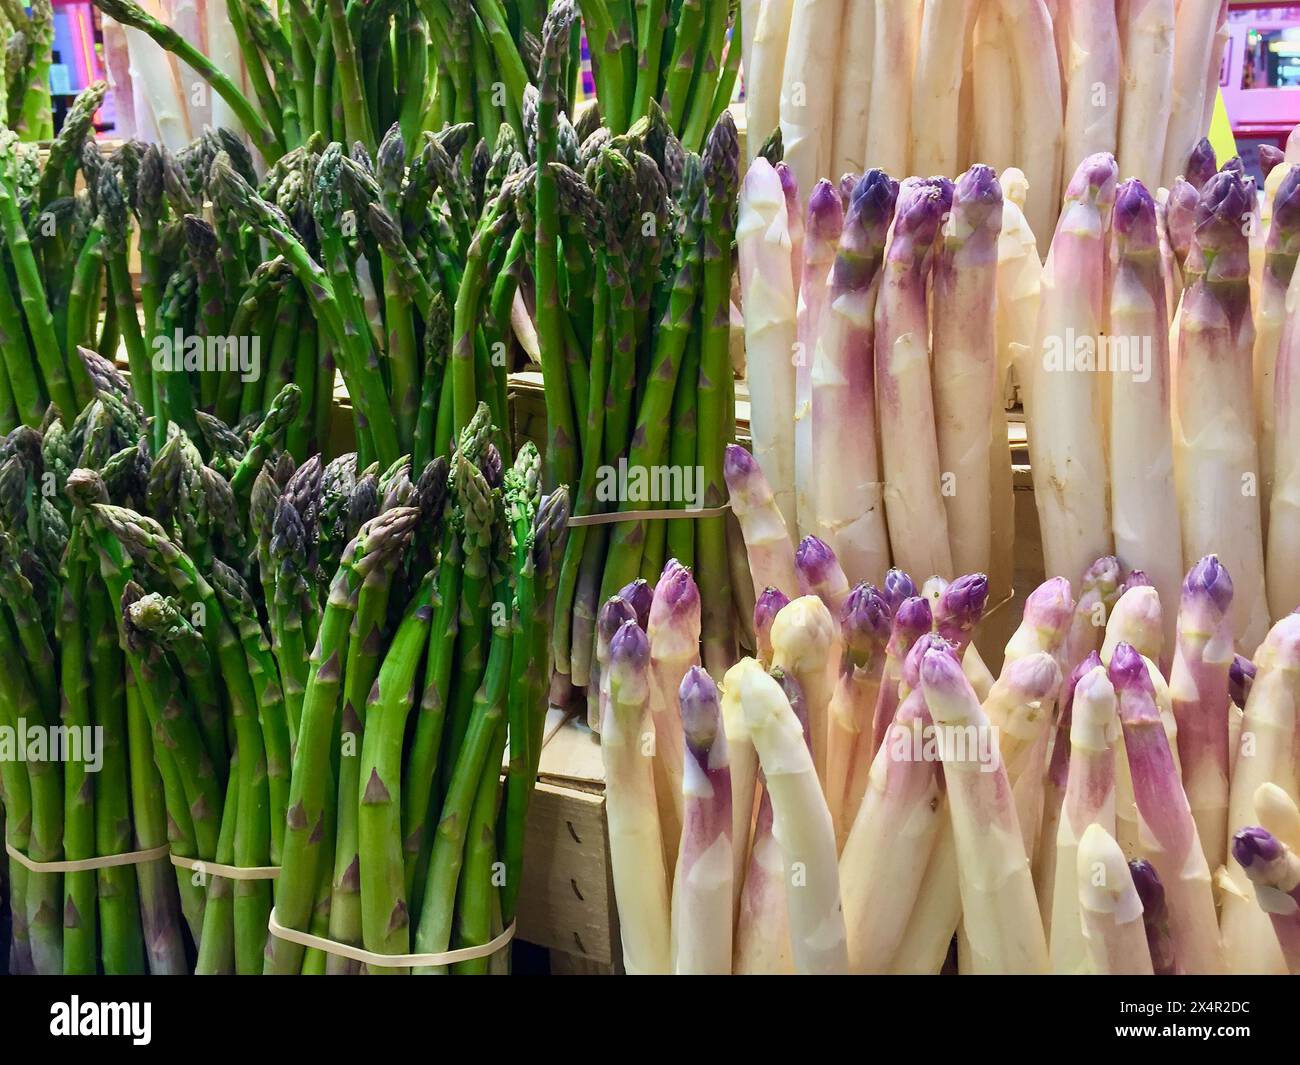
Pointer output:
x,y
393,961
666,514
226,872
82,865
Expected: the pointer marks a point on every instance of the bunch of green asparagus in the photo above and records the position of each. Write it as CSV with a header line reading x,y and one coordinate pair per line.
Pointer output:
x,y
169,603
28,40
632,266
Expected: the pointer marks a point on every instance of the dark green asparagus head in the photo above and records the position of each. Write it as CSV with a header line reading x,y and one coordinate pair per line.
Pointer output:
x,y
555,46
395,487
126,475
16,51
454,138
392,160
127,12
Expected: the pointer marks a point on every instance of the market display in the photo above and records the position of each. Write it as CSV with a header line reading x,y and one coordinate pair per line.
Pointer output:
x,y
300,574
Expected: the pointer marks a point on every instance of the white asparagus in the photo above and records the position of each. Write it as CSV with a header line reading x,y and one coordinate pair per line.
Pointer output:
x,y
918,533
807,108
153,73
1039,112
768,294
889,123
993,101
1089,800
891,840
999,910
1113,933
1064,411
847,503
1216,462
966,397
1144,507
1092,64
635,842
936,85
1195,24
702,885
744,771
853,91
1147,37
767,540
806,644
1278,812
1265,755
801,826
223,50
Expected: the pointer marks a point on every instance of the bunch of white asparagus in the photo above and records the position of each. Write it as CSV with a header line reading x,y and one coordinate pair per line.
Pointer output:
x,y
865,796
885,435
929,86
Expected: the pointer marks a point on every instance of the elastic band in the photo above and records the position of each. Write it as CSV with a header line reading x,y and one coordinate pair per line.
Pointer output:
x,y
227,872
83,865
647,515
400,961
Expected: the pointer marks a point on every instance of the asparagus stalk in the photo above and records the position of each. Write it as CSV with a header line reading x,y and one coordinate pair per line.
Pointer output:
x,y
770,602
1114,935
763,523
765,74
702,884
936,85
912,618
1147,31
806,644
889,113
850,515
1091,65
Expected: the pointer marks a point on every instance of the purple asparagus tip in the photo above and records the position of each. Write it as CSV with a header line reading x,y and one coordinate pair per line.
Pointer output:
x,y
1255,844
930,641
1226,199
675,594
825,212
630,647
616,613
698,697
920,212
1235,165
769,603
1050,604
1269,157
1071,682
1136,578
864,620
962,603
1128,670
1286,202
1241,678
978,192
875,194
1135,215
1094,179
939,668
848,182
898,586
639,595
814,560
737,463
1147,882
913,617
789,185
1209,577
1201,164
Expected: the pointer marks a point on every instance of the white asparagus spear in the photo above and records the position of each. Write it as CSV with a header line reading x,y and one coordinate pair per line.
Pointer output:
x,y
1114,936
1089,800
825,222
153,73
1265,755
763,78
1195,24
674,633
891,840
1274,872
1064,411
805,643
1167,827
1147,37
808,87
847,499
1215,65
1278,812
1039,111
1144,507
1215,456
768,293
1092,75
853,91
635,842
936,85
889,125
999,911
702,885
966,397
918,533
801,825
223,50
993,100
865,629
744,771
767,539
